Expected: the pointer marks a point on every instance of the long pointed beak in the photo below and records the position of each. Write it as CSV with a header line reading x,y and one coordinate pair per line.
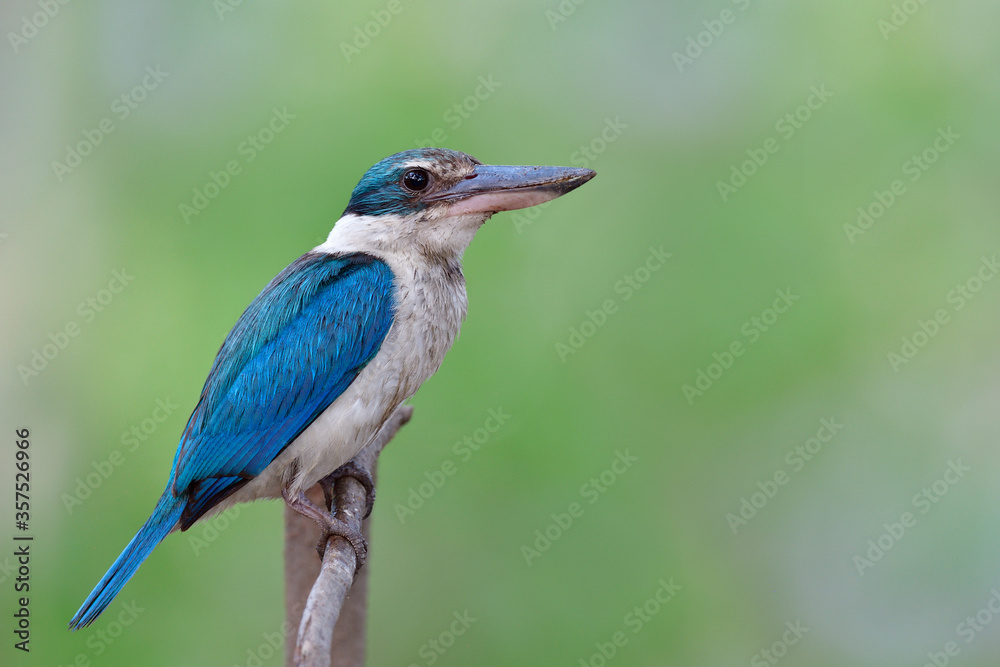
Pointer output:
x,y
493,188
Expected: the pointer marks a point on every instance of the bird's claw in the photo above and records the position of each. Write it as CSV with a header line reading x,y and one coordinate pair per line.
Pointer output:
x,y
330,526
357,541
350,469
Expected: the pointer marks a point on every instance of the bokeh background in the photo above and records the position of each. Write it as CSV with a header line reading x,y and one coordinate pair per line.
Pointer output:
x,y
666,100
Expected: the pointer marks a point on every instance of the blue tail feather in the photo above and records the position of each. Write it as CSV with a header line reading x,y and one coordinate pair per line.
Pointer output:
x,y
165,516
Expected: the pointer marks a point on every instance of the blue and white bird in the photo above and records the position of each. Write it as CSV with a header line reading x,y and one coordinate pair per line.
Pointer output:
x,y
325,354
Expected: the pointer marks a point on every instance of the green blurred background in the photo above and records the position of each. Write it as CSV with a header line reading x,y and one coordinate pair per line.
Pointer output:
x,y
597,84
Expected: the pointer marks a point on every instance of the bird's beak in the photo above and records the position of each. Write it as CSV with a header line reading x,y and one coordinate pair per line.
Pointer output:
x,y
492,188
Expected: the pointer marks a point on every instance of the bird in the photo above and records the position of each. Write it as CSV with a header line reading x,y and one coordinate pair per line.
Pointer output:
x,y
328,350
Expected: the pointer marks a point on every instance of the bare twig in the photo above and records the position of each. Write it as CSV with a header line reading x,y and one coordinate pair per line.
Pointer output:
x,y
323,640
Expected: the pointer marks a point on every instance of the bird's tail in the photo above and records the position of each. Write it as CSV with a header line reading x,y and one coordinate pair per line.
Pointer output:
x,y
164,518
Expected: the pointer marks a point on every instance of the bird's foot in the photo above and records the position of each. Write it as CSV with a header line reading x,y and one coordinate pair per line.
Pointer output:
x,y
356,539
329,526
350,469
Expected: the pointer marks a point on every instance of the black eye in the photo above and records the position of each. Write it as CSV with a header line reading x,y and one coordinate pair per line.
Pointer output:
x,y
416,179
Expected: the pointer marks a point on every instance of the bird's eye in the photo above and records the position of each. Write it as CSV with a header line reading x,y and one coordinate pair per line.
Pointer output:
x,y
416,179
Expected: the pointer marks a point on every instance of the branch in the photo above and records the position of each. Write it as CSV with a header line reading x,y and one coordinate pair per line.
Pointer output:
x,y
322,640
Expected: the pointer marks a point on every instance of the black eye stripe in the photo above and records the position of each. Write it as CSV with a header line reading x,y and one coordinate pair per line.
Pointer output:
x,y
416,179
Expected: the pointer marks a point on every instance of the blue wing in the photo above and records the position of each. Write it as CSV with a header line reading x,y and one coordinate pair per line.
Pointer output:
x,y
294,350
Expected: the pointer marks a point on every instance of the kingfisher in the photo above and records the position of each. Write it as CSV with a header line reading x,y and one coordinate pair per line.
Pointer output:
x,y
324,355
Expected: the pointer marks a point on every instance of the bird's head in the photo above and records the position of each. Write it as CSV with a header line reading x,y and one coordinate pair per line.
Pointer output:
x,y
434,199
